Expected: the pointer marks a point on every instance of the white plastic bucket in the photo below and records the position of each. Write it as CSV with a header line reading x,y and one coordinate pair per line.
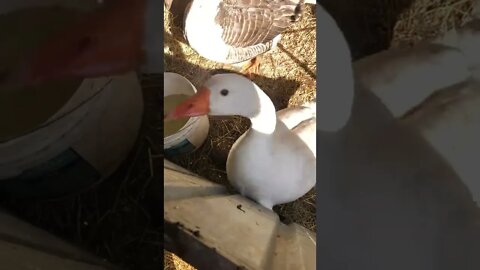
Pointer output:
x,y
194,133
83,143
82,138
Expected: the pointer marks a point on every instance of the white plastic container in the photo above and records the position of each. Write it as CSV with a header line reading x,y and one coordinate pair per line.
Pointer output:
x,y
194,133
83,143
69,139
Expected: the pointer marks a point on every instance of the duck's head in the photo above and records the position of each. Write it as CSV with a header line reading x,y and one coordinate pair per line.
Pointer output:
x,y
116,38
222,94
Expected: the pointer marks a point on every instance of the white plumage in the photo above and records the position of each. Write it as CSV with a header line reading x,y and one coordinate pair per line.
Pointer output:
x,y
274,162
235,31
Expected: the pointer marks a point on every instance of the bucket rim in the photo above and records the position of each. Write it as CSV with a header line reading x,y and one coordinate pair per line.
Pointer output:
x,y
187,127
52,121
180,77
183,131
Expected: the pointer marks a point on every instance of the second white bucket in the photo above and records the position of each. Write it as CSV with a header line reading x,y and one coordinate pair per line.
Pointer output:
x,y
194,133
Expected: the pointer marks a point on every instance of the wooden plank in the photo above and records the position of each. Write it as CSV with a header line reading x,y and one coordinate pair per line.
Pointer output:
x,y
211,229
18,257
233,225
172,166
178,185
295,248
15,230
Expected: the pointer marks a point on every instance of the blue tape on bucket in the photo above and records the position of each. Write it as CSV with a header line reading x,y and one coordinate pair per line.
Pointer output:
x,y
183,147
66,173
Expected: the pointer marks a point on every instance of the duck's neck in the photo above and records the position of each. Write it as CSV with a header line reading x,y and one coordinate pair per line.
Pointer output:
x,y
335,80
265,121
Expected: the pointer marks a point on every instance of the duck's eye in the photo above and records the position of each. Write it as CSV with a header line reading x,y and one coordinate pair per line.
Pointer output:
x,y
224,92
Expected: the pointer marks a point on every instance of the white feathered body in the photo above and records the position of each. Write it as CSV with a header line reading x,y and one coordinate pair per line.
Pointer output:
x,y
276,168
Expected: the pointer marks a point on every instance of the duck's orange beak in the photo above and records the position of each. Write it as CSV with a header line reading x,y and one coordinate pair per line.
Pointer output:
x,y
198,104
108,42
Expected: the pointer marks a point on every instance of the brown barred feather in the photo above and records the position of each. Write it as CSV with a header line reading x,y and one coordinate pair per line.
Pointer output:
x,y
252,22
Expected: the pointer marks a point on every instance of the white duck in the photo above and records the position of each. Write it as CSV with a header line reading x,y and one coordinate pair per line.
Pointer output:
x,y
274,161
237,32
269,163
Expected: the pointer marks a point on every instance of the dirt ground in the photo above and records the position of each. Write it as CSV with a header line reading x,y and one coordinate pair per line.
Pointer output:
x,y
120,219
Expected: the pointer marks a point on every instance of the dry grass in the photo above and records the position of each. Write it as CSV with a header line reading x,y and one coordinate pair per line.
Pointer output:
x,y
428,18
173,262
